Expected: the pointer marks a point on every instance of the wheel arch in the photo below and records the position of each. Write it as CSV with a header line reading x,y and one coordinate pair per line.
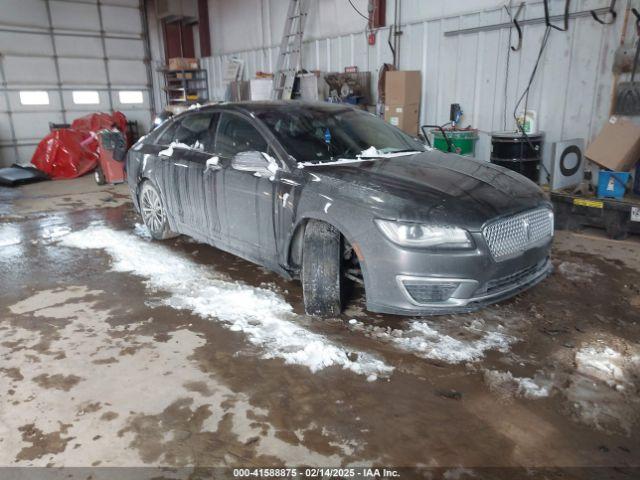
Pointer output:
x,y
295,243
145,178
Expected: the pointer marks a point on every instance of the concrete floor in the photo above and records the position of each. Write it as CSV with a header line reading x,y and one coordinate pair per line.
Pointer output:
x,y
116,351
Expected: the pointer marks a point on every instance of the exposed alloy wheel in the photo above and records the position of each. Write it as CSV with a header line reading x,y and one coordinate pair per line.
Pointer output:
x,y
98,174
322,269
153,212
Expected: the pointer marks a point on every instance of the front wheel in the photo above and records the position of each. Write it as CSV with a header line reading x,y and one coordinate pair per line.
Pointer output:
x,y
321,269
153,212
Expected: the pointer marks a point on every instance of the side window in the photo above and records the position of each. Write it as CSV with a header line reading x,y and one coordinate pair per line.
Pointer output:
x,y
235,135
166,137
194,130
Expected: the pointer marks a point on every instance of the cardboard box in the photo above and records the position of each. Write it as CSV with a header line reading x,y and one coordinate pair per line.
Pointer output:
x,y
402,87
405,117
183,63
617,146
260,88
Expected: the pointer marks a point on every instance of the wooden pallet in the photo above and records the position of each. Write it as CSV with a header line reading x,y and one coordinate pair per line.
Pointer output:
x,y
617,217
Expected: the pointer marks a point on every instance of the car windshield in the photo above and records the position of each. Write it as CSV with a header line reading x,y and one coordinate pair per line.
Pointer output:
x,y
319,135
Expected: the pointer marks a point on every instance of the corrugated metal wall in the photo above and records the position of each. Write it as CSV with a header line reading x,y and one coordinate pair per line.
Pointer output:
x,y
571,93
62,46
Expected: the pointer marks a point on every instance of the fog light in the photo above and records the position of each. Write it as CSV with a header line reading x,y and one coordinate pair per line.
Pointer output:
x,y
429,292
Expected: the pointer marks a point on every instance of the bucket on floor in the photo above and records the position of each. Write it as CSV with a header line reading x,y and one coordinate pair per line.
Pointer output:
x,y
464,141
612,184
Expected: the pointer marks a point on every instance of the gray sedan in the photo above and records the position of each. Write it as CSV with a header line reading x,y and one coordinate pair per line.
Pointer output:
x,y
330,194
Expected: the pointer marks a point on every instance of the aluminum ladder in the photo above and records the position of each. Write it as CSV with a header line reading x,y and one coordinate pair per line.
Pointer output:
x,y
288,62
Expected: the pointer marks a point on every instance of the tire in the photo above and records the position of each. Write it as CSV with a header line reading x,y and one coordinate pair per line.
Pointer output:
x,y
154,214
322,269
98,174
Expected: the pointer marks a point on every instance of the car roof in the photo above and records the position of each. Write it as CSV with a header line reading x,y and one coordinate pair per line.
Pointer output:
x,y
257,107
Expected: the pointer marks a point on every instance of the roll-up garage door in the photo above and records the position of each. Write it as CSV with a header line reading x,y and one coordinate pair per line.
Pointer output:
x,y
61,59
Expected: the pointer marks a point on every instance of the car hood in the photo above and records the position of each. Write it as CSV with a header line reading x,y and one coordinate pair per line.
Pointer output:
x,y
435,187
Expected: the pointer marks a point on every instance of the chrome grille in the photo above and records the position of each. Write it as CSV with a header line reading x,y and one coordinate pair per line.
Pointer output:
x,y
510,236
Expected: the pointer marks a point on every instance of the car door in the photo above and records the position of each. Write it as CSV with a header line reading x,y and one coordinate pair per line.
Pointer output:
x,y
248,199
189,173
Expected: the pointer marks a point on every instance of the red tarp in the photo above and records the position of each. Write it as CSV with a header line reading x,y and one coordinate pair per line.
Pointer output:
x,y
72,152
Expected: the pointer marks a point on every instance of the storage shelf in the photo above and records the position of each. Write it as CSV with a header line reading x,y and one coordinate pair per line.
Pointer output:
x,y
166,70
202,89
176,89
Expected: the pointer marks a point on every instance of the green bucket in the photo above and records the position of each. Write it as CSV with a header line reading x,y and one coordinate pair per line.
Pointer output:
x,y
464,141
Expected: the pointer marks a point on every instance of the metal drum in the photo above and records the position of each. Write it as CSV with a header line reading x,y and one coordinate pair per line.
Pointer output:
x,y
517,152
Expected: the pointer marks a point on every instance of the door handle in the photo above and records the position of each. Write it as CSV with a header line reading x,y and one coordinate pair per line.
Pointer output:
x,y
212,163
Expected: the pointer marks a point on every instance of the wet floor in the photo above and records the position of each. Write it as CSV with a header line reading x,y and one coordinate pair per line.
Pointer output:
x,y
119,351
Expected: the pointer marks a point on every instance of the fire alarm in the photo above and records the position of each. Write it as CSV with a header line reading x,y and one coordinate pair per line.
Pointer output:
x,y
372,38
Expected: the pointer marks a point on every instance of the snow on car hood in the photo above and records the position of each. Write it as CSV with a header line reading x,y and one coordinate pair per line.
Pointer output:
x,y
371,153
263,315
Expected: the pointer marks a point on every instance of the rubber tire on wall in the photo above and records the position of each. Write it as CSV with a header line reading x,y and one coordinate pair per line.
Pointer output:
x,y
98,175
165,232
321,269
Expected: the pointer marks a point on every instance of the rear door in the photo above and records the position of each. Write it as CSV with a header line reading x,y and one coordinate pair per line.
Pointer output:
x,y
188,153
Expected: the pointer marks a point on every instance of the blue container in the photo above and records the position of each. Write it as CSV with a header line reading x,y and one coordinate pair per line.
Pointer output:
x,y
612,184
636,182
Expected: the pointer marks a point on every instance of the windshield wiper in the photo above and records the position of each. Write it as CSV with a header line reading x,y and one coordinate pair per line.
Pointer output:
x,y
407,150
398,153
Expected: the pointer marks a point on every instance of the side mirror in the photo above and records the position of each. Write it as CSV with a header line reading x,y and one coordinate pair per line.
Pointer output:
x,y
261,164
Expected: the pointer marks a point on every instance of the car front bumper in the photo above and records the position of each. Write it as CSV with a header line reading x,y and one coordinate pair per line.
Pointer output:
x,y
396,279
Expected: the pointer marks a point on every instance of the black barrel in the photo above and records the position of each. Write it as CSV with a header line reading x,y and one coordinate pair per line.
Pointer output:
x,y
517,152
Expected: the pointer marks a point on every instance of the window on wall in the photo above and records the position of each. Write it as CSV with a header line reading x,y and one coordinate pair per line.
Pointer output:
x,y
131,96
86,97
34,97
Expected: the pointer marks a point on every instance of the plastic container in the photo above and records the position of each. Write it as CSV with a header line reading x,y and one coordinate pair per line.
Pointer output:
x,y
464,141
529,122
612,184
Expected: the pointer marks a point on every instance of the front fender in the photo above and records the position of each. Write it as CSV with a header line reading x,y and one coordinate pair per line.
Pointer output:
x,y
353,221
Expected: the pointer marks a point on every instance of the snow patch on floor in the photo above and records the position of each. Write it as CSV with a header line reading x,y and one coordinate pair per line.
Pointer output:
x,y
427,342
263,315
578,272
435,340
507,385
603,388
9,235
55,232
604,364
141,230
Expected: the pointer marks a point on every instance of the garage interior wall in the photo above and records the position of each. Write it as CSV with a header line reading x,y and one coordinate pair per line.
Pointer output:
x,y
571,94
63,46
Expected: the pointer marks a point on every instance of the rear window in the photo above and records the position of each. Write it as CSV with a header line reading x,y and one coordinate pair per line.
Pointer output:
x,y
195,130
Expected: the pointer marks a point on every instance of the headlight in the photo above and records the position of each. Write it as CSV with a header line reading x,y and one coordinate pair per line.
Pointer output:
x,y
421,235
